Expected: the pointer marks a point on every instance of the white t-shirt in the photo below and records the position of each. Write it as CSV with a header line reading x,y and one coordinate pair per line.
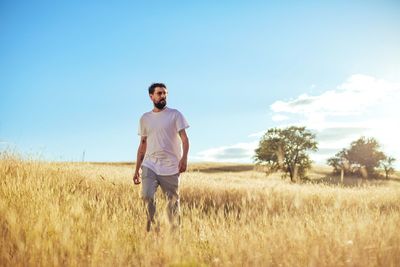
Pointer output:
x,y
164,149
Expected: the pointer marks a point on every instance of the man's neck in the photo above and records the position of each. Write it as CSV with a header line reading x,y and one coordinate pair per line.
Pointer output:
x,y
159,110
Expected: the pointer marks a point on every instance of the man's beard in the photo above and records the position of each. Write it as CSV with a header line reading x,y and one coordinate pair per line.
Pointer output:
x,y
161,104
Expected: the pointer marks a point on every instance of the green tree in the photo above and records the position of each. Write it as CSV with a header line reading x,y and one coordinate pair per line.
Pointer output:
x,y
339,162
362,158
286,150
365,154
387,165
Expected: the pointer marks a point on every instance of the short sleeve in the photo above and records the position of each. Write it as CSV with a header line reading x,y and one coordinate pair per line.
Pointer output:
x,y
142,127
180,122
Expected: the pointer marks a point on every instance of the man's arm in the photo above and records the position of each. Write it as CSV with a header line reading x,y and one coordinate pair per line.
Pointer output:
x,y
185,146
140,156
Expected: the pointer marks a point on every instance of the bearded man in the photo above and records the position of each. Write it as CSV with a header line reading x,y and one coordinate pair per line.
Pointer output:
x,y
162,154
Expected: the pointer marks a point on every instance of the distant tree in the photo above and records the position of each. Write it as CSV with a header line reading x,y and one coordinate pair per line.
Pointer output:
x,y
339,162
362,158
365,153
286,150
387,165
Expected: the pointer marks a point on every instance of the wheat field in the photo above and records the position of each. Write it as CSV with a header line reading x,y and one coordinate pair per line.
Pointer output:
x,y
90,214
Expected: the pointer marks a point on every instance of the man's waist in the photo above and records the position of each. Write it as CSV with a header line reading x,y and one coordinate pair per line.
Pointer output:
x,y
161,155
161,167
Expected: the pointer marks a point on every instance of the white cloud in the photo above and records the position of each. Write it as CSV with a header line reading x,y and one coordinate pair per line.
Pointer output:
x,y
257,135
279,117
241,152
362,105
352,97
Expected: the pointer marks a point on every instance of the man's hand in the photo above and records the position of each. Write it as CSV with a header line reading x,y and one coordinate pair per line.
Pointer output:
x,y
185,146
136,178
182,165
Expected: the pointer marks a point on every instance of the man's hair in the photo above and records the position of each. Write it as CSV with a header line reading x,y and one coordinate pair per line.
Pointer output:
x,y
154,85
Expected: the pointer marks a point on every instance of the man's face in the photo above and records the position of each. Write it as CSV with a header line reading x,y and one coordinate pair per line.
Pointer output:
x,y
159,97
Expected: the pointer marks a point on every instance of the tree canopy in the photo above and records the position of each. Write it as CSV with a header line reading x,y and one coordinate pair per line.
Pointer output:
x,y
362,158
387,165
286,150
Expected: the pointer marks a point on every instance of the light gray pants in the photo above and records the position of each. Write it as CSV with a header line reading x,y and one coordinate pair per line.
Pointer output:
x,y
169,185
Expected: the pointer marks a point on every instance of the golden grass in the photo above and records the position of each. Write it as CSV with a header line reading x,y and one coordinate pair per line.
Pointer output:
x,y
85,214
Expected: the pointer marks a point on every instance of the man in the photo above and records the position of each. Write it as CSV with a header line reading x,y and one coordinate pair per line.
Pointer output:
x,y
160,154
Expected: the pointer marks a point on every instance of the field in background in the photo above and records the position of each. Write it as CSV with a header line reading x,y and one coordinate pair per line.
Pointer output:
x,y
90,214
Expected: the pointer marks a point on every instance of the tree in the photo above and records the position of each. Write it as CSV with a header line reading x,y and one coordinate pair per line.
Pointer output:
x,y
339,162
365,153
363,157
285,150
387,165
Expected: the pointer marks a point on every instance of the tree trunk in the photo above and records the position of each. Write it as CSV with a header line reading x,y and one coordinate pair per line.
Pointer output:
x,y
295,173
342,175
291,174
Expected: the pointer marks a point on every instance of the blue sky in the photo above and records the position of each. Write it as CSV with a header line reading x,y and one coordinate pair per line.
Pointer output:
x,y
74,74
